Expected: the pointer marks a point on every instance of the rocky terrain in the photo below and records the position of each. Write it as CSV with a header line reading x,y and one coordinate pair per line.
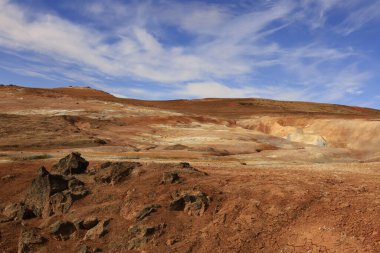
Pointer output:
x,y
84,171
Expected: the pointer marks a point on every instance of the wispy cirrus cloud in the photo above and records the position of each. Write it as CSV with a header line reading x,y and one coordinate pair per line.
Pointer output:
x,y
360,16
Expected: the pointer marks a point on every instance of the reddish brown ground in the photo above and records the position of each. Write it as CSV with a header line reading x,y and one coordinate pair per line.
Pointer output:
x,y
268,193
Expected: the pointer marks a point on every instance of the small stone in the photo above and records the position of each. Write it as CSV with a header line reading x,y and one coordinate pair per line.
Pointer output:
x,y
29,238
147,211
185,165
177,204
77,188
170,242
7,177
170,178
89,223
62,230
192,202
60,203
141,235
86,249
98,231
17,211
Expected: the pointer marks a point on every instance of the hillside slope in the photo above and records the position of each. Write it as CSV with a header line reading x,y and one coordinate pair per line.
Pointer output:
x,y
208,175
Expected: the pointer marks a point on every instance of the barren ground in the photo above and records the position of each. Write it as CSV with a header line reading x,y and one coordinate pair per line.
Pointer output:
x,y
282,176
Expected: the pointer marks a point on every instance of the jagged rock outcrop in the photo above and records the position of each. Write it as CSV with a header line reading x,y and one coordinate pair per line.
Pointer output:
x,y
43,187
73,163
191,202
114,173
52,194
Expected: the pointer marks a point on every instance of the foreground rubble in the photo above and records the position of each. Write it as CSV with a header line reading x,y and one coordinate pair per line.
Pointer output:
x,y
177,207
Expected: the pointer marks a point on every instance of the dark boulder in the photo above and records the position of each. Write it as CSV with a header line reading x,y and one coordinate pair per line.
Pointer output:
x,y
71,164
62,230
43,187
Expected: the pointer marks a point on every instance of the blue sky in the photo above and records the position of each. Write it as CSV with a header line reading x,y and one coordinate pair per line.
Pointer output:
x,y
310,50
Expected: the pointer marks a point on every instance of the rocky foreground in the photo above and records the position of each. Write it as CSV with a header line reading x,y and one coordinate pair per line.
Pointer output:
x,y
174,207
84,171
51,196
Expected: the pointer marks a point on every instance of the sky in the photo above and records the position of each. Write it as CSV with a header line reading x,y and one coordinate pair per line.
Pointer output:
x,y
307,50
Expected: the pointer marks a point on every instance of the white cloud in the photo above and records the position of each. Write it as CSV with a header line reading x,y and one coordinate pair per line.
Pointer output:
x,y
138,53
314,12
346,82
360,16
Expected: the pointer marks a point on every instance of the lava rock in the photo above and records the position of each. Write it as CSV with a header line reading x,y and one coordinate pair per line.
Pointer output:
x,y
147,211
77,188
62,230
60,203
98,231
17,211
28,240
43,187
113,173
73,163
191,202
170,177
88,223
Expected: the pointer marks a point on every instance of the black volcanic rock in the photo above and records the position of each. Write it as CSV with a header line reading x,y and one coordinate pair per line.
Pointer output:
x,y
73,163
191,202
62,230
170,177
43,187
113,173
